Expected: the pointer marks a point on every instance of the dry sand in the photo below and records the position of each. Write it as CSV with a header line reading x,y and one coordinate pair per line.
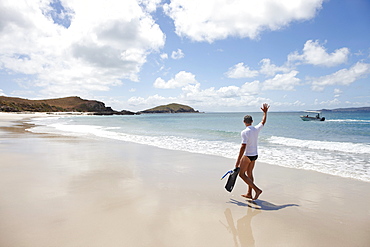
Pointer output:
x,y
64,191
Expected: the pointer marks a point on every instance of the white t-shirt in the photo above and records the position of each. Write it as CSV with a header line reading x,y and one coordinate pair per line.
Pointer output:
x,y
250,138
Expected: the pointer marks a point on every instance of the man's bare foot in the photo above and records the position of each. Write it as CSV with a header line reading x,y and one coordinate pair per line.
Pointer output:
x,y
258,193
248,196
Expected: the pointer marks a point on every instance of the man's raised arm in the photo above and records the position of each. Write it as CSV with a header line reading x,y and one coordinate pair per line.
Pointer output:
x,y
265,107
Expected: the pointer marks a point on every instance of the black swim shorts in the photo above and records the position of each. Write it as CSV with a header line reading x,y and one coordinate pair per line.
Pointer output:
x,y
253,157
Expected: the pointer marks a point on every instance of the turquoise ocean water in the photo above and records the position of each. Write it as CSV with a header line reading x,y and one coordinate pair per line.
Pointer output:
x,y
339,146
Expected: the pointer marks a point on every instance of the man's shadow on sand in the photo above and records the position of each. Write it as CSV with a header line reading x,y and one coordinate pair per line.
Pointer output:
x,y
261,205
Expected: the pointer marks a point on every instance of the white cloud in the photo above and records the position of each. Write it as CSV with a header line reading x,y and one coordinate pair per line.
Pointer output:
x,y
2,93
328,103
150,5
270,69
285,82
151,101
267,68
224,96
227,98
337,92
209,98
343,77
231,96
181,79
194,92
251,88
228,92
105,43
177,54
215,20
241,71
164,56
314,53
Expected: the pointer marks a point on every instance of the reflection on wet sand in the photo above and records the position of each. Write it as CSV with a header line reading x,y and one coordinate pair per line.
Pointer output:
x,y
242,233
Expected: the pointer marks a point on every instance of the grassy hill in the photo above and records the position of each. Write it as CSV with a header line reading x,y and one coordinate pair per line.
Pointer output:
x,y
171,108
68,104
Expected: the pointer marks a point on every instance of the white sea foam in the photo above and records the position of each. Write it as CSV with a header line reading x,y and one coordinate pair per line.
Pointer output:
x,y
347,147
224,149
348,120
327,162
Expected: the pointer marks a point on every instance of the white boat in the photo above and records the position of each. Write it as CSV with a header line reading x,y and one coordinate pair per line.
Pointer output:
x,y
313,118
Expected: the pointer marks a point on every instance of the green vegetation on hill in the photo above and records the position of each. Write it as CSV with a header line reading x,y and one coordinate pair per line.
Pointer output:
x,y
68,104
171,108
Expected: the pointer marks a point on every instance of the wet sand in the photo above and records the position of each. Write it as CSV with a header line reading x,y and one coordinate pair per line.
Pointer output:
x,y
67,191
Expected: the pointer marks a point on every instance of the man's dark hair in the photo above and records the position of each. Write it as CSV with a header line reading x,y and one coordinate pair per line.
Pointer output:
x,y
248,119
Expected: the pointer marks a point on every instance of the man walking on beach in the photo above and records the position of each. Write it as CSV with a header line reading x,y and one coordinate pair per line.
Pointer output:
x,y
248,153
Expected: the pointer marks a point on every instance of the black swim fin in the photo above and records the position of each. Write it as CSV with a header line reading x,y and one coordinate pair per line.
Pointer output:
x,y
232,179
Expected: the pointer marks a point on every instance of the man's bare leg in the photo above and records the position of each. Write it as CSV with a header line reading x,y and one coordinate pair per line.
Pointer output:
x,y
244,166
250,175
250,183
243,169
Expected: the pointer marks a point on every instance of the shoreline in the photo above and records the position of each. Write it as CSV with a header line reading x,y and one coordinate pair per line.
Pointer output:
x,y
75,191
278,150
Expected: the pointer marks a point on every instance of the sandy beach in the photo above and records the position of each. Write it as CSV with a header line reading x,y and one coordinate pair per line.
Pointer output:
x,y
69,191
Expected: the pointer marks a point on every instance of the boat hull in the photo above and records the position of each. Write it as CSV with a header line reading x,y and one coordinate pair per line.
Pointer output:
x,y
305,118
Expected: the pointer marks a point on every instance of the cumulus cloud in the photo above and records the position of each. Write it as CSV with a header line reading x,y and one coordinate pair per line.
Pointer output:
x,y
343,77
225,97
150,101
285,77
316,54
337,92
327,103
251,88
104,43
230,96
192,93
270,69
267,68
241,71
214,20
181,79
285,82
177,54
150,5
164,56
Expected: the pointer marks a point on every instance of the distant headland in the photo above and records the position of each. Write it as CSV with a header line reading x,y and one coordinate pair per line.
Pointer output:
x,y
352,109
75,104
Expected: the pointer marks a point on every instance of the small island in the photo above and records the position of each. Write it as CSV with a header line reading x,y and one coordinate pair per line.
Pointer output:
x,y
171,108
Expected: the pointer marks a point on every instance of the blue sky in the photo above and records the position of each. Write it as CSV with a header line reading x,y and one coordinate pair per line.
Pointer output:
x,y
216,55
